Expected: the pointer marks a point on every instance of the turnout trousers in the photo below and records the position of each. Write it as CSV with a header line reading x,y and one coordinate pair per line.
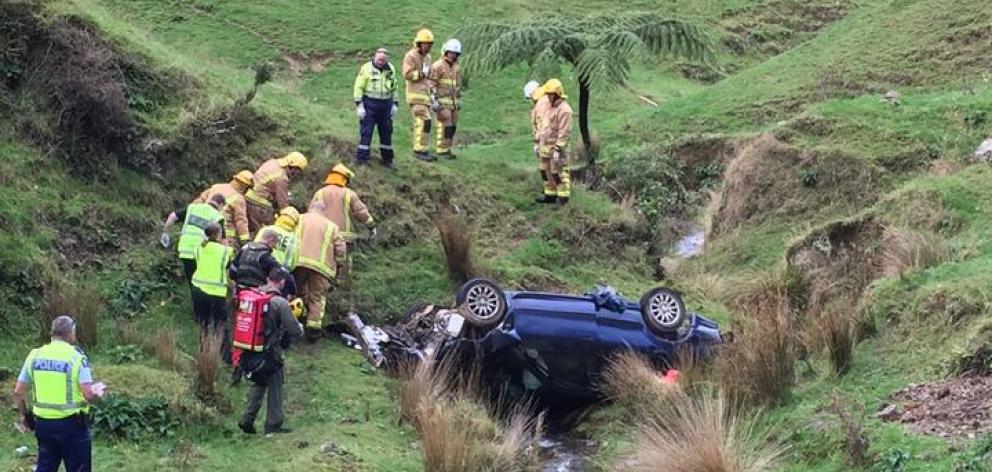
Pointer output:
x,y
65,440
421,126
258,216
447,121
313,287
377,115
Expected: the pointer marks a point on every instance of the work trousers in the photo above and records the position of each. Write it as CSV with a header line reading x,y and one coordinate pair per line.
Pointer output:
x,y
421,126
66,440
558,182
313,287
189,268
271,388
378,113
258,217
447,121
212,316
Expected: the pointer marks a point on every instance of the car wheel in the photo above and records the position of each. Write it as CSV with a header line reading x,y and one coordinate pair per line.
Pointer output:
x,y
663,310
482,303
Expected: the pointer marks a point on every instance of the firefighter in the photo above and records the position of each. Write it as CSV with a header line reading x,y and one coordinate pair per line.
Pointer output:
x,y
286,249
534,93
195,218
321,250
375,105
270,190
63,390
279,330
210,287
417,73
447,79
341,204
555,131
234,210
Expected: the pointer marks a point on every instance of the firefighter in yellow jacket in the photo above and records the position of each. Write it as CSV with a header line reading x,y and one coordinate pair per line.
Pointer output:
x,y
342,205
534,93
270,190
321,250
235,211
554,134
447,79
417,73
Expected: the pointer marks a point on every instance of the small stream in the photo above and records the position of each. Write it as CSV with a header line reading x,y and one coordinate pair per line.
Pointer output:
x,y
691,244
562,453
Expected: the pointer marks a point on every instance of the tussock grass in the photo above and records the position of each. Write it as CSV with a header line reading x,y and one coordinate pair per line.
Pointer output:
x,y
457,243
64,297
851,419
208,364
834,332
459,433
905,250
684,429
759,366
167,348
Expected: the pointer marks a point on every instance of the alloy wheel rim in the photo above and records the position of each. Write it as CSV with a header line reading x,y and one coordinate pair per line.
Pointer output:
x,y
664,308
483,301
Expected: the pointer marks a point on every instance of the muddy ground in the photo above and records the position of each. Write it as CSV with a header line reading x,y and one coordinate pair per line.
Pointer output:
x,y
959,407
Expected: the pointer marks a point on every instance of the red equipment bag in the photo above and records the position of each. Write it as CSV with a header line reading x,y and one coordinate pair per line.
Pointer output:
x,y
249,320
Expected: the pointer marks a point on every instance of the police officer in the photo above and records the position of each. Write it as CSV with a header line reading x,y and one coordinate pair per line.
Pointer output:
x,y
375,105
63,389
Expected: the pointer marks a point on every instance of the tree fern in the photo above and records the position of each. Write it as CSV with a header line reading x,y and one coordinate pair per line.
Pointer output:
x,y
600,48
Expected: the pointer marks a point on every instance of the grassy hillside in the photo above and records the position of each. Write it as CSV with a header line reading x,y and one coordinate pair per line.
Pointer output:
x,y
809,75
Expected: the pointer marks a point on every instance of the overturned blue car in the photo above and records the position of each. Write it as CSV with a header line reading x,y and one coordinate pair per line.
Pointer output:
x,y
542,343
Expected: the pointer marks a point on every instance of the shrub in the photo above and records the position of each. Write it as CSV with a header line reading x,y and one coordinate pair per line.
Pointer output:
x,y
852,426
120,417
905,250
131,296
702,433
125,354
63,297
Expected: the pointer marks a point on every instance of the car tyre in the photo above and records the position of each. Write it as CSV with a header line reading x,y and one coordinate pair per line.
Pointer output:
x,y
663,310
482,303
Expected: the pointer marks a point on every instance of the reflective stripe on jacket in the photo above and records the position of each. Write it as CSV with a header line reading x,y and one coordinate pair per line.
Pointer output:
x,y
418,86
235,212
212,260
374,83
287,251
447,78
54,371
271,186
321,246
198,216
340,205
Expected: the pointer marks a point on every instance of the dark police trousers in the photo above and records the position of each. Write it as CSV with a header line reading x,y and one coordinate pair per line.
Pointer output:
x,y
211,314
377,114
65,440
272,386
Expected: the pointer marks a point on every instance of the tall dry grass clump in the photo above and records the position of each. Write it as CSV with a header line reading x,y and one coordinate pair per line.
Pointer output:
x,y
634,383
167,348
703,433
457,244
459,433
208,364
905,249
758,368
64,297
833,331
851,420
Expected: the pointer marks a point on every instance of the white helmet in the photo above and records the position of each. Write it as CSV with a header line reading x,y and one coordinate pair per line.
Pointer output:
x,y
452,45
530,88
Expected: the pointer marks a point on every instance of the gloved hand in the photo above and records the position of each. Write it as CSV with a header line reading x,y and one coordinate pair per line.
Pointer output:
x,y
458,104
375,233
360,111
392,111
165,240
435,106
537,150
296,306
426,70
556,157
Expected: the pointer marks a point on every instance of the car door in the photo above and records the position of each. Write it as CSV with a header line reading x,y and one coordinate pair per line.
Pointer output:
x,y
558,337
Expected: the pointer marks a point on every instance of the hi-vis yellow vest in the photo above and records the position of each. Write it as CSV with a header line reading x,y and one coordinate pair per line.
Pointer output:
x,y
287,250
54,370
212,260
198,216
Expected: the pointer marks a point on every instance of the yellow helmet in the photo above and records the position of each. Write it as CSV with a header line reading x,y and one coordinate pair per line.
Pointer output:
x,y
424,36
554,86
246,177
288,218
294,159
342,170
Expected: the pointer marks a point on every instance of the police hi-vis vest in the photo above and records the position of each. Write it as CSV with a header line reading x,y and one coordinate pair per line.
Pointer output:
x,y
212,260
198,216
54,370
286,251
